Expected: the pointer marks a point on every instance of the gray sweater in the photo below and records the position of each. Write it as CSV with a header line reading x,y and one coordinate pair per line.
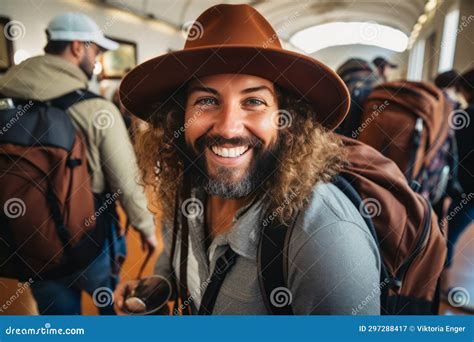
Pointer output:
x,y
334,263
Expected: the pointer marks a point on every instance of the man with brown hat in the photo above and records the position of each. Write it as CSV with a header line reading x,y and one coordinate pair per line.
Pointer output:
x,y
240,131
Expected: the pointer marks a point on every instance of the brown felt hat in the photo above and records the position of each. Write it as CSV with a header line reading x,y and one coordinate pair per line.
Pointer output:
x,y
236,39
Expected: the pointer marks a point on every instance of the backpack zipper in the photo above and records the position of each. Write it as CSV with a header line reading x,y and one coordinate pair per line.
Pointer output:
x,y
421,243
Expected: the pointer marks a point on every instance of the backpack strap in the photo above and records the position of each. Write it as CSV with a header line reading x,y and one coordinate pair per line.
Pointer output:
x,y
223,265
272,265
68,100
272,259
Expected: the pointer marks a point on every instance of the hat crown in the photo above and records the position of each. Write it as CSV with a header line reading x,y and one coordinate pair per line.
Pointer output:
x,y
226,24
73,22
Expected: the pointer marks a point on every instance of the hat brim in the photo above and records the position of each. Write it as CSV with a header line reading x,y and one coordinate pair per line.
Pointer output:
x,y
107,44
304,76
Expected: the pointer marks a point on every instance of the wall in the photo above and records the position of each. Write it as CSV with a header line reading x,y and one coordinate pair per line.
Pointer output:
x,y
152,39
335,56
432,32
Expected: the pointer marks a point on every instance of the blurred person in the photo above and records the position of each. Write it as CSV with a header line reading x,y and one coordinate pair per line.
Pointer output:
x,y
360,79
461,212
384,68
73,43
448,82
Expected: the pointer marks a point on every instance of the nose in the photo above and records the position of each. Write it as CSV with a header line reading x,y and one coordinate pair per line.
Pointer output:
x,y
229,122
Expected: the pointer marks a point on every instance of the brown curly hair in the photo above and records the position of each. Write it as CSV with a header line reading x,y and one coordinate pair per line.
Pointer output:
x,y
308,153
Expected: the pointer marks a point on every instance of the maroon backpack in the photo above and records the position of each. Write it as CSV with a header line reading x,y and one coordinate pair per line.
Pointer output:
x,y
47,222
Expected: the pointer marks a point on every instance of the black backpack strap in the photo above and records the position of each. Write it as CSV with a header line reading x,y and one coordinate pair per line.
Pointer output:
x,y
68,100
272,264
223,265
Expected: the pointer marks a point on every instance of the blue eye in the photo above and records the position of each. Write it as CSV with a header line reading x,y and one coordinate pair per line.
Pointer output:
x,y
206,101
255,102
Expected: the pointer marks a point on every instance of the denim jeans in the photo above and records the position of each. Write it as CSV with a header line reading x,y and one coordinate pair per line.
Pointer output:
x,y
63,296
99,279
463,217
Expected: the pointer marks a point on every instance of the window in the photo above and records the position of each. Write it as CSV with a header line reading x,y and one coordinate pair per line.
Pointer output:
x,y
448,41
415,64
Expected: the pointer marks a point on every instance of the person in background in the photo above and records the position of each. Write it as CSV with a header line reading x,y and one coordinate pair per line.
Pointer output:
x,y
384,68
447,81
73,43
462,208
360,78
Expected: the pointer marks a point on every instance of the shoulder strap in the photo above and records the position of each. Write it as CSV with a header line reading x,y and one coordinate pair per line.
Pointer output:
x,y
272,260
223,265
272,265
68,100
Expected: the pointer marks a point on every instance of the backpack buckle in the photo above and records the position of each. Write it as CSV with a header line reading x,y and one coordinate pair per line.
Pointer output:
x,y
225,262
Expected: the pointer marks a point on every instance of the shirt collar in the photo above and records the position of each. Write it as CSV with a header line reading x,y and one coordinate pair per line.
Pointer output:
x,y
244,235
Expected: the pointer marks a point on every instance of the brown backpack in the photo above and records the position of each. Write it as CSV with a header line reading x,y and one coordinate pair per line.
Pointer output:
x,y
47,222
411,244
408,123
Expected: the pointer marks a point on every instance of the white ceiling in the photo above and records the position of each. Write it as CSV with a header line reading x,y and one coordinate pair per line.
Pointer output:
x,y
288,17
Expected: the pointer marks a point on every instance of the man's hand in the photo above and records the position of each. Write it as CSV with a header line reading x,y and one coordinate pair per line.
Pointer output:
x,y
121,292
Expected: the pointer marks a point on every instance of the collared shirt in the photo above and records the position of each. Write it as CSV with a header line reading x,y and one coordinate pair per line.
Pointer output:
x,y
334,263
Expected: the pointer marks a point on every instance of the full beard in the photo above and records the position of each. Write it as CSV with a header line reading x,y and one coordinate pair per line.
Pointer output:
x,y
222,183
87,67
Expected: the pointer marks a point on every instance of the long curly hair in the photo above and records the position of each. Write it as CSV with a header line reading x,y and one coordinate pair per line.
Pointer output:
x,y
308,154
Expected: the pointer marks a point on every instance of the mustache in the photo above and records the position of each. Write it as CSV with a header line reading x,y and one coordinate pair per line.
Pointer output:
x,y
213,140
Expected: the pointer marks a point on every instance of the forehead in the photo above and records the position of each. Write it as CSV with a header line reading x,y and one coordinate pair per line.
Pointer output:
x,y
223,82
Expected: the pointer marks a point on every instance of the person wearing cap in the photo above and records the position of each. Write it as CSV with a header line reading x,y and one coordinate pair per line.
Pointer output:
x,y
73,44
360,79
384,67
240,128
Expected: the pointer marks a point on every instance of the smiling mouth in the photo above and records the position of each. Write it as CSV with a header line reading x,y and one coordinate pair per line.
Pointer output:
x,y
229,152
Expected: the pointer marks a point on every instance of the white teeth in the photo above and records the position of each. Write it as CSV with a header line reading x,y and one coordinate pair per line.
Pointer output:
x,y
229,152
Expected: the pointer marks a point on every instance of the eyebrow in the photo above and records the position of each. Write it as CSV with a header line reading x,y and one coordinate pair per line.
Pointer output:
x,y
215,92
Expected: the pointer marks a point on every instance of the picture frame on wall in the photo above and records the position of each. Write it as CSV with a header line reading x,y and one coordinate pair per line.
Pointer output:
x,y
6,47
115,64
